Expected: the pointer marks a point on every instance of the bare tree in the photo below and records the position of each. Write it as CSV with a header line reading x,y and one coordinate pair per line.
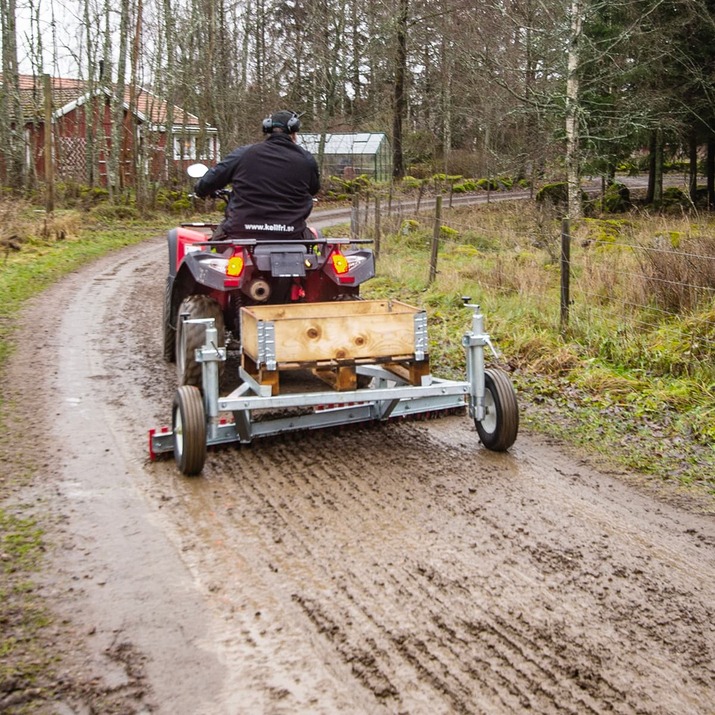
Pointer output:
x,y
399,98
573,107
116,178
11,116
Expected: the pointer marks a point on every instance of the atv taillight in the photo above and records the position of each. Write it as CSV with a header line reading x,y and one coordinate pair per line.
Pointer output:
x,y
340,263
234,267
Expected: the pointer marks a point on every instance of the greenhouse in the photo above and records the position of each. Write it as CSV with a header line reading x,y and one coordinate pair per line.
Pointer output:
x,y
350,155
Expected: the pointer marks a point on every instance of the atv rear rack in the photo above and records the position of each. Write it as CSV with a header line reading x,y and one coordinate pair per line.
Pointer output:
x,y
202,418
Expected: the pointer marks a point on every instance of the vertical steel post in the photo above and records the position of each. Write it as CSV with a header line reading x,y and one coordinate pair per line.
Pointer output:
x,y
474,343
209,378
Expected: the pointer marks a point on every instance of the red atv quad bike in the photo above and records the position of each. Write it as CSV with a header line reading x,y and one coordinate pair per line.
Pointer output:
x,y
215,279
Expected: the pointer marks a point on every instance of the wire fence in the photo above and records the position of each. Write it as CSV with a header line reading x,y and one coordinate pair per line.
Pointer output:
x,y
608,270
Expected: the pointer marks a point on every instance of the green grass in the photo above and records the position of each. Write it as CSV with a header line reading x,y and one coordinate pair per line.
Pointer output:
x,y
636,386
24,663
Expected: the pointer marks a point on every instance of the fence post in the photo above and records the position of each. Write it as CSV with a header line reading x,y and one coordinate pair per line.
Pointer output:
x,y
435,238
565,273
378,226
355,217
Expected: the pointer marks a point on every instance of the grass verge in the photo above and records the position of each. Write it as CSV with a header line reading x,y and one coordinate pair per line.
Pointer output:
x,y
45,254
632,378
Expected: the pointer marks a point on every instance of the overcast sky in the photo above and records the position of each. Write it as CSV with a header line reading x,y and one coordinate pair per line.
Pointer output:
x,y
60,31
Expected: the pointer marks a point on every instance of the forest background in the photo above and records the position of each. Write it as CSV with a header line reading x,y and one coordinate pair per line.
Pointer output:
x,y
526,88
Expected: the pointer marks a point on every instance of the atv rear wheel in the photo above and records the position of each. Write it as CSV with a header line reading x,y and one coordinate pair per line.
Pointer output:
x,y
498,429
191,337
168,331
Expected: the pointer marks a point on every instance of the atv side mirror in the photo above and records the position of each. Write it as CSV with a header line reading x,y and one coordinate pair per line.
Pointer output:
x,y
196,171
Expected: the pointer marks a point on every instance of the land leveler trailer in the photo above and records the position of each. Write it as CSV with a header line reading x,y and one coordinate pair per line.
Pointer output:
x,y
372,354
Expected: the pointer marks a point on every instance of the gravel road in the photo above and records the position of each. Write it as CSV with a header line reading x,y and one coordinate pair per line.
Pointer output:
x,y
399,568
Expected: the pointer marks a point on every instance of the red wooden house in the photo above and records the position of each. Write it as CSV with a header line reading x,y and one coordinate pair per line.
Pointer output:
x,y
82,132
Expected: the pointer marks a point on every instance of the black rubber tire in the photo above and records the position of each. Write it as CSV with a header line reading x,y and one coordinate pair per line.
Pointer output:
x,y
168,331
189,425
498,430
191,337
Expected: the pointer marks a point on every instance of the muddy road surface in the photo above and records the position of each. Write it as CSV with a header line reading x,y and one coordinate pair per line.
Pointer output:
x,y
399,568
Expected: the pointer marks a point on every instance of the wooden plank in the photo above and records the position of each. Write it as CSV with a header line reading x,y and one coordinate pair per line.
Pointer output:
x,y
261,375
341,378
411,372
330,309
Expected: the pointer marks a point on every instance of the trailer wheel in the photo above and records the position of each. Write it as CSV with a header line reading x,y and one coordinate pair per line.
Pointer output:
x,y
191,337
499,428
168,332
189,424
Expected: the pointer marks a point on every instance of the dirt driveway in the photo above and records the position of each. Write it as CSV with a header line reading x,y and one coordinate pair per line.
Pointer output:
x,y
391,569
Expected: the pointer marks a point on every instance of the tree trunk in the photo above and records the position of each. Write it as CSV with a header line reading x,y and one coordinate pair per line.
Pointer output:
x,y
573,167
399,103
710,170
658,170
693,167
117,156
11,117
652,142
169,91
137,153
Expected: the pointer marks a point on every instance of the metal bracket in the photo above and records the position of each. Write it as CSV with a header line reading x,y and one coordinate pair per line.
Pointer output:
x,y
267,344
421,341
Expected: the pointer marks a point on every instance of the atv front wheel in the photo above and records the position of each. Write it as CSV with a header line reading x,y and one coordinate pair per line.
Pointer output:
x,y
190,337
497,431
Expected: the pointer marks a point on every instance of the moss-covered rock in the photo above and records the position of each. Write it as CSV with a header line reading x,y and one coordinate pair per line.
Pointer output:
x,y
617,198
555,194
488,184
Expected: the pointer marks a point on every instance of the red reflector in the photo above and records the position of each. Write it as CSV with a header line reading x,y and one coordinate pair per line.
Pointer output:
x,y
230,282
346,279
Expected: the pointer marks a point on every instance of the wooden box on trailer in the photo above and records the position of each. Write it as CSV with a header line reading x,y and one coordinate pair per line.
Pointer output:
x,y
333,338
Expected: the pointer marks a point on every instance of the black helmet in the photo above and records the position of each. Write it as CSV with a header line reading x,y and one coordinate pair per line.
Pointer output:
x,y
290,121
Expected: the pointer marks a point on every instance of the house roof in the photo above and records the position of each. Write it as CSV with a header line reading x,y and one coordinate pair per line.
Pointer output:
x,y
67,94
355,143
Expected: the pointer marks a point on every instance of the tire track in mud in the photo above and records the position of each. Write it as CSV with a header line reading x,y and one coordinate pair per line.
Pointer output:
x,y
441,623
402,568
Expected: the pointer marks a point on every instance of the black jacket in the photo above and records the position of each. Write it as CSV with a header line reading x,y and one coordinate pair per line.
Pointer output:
x,y
273,181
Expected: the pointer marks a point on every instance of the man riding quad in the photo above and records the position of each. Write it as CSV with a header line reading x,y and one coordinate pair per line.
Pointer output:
x,y
274,182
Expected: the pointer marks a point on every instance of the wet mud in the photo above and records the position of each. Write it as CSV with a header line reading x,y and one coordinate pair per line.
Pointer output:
x,y
398,568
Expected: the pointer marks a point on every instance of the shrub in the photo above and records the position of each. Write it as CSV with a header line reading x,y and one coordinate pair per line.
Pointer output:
x,y
409,226
448,232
